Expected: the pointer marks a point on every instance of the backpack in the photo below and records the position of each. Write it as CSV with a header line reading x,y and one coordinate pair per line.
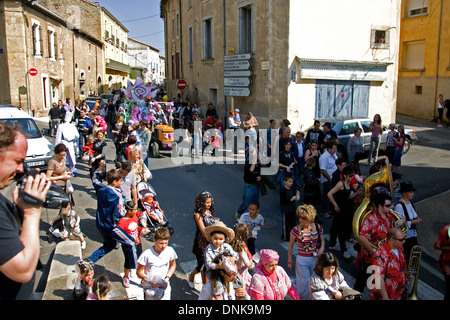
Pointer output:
x,y
447,104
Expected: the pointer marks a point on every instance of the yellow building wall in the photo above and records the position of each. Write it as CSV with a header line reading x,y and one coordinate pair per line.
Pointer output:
x,y
418,90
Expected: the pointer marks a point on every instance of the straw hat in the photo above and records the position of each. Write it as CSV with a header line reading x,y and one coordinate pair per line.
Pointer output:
x,y
220,227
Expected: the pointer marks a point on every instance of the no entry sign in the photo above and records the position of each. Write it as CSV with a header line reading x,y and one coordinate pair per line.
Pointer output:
x,y
33,72
181,84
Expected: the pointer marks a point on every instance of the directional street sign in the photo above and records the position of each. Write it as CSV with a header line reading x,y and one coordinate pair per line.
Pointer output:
x,y
236,82
237,65
237,92
237,71
231,74
245,56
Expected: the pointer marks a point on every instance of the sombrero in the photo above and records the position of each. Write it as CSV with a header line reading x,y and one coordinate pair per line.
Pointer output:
x,y
220,227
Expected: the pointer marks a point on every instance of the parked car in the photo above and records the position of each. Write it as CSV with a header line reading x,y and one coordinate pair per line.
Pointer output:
x,y
40,150
105,97
344,129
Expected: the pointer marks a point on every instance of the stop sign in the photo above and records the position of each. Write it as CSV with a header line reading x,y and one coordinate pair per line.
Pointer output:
x,y
181,84
33,72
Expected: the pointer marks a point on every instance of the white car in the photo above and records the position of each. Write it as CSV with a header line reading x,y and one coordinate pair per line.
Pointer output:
x,y
344,129
40,150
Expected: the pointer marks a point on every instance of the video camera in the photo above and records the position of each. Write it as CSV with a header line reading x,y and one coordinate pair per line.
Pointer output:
x,y
56,196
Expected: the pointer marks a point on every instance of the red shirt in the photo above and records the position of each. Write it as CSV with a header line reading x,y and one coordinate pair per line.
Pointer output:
x,y
444,257
375,229
392,271
131,226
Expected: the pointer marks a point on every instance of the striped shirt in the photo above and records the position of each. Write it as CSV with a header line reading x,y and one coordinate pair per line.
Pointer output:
x,y
307,242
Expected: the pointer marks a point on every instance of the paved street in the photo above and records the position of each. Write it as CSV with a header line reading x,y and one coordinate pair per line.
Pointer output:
x,y
177,185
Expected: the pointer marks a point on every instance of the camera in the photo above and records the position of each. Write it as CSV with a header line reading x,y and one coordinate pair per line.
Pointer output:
x,y
56,196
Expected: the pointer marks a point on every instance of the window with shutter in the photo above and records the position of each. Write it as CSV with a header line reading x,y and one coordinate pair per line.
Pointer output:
x,y
55,40
41,42
37,38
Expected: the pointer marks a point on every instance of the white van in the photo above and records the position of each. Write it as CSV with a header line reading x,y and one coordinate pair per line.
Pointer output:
x,y
40,150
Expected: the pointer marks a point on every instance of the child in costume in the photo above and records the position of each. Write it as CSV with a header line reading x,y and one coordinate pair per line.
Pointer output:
x,y
217,254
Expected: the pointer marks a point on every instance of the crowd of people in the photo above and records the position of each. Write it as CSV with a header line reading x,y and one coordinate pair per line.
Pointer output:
x,y
314,180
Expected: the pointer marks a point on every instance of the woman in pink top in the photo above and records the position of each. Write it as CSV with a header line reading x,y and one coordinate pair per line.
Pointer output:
x,y
270,281
376,128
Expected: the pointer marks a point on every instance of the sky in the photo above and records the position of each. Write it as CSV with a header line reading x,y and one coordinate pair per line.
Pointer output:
x,y
141,18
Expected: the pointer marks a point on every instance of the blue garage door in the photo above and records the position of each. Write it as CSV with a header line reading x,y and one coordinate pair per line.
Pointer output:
x,y
348,99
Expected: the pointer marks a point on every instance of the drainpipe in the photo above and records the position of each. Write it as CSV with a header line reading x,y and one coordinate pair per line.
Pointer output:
x,y
437,62
224,53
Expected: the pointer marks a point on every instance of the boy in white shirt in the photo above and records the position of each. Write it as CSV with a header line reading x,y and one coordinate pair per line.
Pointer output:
x,y
156,266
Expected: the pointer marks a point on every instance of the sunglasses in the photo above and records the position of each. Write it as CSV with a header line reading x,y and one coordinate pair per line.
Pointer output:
x,y
388,205
403,239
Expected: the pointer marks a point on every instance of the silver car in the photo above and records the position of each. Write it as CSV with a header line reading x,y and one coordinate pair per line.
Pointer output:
x,y
344,129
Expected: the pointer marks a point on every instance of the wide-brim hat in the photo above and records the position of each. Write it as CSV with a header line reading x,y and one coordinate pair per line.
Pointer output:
x,y
406,186
219,226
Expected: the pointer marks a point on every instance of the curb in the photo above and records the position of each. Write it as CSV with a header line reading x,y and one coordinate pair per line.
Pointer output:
x,y
62,275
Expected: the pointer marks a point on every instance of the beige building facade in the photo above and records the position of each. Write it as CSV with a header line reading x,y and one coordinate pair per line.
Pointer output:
x,y
292,59
68,58
115,40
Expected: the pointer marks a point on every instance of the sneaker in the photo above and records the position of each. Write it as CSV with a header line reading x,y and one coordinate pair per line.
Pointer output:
x,y
439,126
126,282
346,255
83,245
237,216
335,247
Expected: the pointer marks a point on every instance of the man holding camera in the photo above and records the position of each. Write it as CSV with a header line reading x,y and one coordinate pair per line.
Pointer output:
x,y
19,221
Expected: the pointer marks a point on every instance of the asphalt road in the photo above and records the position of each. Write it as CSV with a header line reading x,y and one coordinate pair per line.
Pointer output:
x,y
177,185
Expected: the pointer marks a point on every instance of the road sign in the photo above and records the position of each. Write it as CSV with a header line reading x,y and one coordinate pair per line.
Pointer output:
x,y
236,82
33,72
237,65
237,92
181,84
231,57
231,74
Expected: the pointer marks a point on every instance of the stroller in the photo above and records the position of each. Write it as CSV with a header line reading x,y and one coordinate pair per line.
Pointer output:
x,y
149,211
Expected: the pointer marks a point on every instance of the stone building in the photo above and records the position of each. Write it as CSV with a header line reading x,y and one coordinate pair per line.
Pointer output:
x,y
424,57
68,57
292,59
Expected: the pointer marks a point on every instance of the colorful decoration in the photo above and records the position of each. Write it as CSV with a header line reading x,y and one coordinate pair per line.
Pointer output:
x,y
134,91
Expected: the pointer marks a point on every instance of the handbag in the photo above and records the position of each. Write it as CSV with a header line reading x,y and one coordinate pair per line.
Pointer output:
x,y
319,243
69,187
262,187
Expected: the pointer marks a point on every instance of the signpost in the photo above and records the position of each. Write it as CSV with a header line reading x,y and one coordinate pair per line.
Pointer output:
x,y
237,75
32,72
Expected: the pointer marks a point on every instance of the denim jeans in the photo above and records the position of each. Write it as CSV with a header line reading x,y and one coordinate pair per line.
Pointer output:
x,y
325,202
374,146
111,237
304,270
251,193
